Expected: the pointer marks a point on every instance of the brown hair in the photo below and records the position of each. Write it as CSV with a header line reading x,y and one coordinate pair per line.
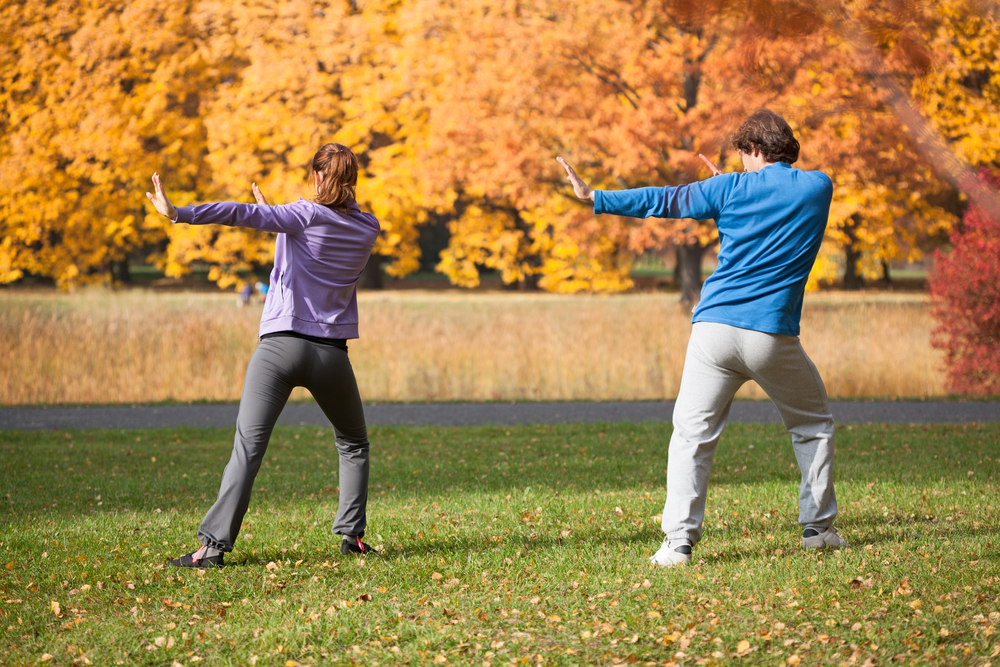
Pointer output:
x,y
339,169
770,134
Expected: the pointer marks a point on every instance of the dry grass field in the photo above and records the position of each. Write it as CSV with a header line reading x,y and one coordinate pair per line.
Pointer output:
x,y
139,346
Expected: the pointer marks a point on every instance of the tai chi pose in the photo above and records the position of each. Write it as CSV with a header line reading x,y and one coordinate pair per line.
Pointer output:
x,y
771,221
311,310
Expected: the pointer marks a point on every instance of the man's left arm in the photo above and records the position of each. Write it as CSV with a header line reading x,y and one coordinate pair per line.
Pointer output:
x,y
700,200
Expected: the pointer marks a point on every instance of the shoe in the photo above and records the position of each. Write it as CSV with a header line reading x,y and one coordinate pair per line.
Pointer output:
x,y
813,539
198,559
350,547
672,553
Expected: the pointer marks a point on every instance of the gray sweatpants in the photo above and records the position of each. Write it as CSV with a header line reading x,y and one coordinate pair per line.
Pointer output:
x,y
720,359
279,365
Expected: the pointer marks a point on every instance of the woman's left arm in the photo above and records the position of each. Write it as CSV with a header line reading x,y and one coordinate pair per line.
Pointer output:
x,y
287,219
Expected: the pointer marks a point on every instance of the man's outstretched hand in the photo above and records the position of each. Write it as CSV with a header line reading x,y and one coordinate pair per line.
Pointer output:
x,y
160,201
580,189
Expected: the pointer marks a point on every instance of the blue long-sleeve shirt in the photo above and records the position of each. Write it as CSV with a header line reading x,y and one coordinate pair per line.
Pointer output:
x,y
771,224
319,255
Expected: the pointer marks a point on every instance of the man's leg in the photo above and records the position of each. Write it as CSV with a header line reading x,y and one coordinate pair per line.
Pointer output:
x,y
784,371
708,384
333,385
269,381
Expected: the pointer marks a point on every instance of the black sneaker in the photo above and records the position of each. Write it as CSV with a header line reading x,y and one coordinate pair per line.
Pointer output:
x,y
198,559
349,547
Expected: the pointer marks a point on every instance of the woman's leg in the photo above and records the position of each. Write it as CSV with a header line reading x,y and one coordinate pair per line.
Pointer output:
x,y
271,376
331,382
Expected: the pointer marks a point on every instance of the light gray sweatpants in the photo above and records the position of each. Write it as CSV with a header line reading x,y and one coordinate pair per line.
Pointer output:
x,y
720,359
278,365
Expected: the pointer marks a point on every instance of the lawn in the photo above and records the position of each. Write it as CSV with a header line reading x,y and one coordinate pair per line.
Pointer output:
x,y
498,546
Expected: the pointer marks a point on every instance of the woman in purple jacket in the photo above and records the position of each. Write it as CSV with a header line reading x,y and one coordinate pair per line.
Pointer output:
x,y
311,310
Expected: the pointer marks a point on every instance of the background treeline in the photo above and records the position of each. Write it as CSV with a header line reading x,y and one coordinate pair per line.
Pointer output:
x,y
457,110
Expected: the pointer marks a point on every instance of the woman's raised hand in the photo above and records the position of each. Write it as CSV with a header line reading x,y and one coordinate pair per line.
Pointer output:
x,y
580,189
711,165
160,201
258,195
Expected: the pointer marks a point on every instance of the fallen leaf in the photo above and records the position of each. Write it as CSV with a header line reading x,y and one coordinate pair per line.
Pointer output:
x,y
46,657
54,606
365,597
794,660
437,575
743,646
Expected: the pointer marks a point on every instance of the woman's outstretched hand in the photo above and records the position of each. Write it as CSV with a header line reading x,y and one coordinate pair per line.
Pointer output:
x,y
160,201
711,165
580,189
258,195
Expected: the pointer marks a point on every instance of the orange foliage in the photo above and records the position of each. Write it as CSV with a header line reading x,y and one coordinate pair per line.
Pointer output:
x,y
457,111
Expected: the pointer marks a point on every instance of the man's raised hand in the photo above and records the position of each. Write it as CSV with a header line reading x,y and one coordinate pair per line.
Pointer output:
x,y
711,165
160,201
580,189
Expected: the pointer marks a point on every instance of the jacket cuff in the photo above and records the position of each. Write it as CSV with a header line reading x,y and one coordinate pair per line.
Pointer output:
x,y
185,214
598,202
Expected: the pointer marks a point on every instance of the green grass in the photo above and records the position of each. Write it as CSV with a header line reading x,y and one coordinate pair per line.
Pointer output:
x,y
518,545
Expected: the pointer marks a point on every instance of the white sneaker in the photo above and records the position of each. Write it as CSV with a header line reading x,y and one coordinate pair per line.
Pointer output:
x,y
672,553
826,540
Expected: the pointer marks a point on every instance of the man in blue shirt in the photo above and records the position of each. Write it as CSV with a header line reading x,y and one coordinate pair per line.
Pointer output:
x,y
771,220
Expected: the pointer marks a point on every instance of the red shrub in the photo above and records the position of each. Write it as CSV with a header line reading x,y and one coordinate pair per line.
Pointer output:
x,y
966,289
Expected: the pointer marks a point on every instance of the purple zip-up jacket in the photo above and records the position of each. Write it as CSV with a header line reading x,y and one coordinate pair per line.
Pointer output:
x,y
318,257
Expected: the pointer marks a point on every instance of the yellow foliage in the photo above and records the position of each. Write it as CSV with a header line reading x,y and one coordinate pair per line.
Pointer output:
x,y
457,111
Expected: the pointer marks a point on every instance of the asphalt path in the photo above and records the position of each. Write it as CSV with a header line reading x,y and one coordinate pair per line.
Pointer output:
x,y
476,414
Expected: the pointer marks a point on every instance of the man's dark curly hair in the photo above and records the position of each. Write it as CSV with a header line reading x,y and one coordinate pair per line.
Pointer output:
x,y
770,134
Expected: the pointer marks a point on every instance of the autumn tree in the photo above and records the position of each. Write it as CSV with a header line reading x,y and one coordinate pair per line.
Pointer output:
x,y
966,287
630,92
457,110
91,102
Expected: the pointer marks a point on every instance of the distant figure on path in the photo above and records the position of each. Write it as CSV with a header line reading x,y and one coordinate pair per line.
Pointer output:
x,y
261,288
245,294
320,251
771,221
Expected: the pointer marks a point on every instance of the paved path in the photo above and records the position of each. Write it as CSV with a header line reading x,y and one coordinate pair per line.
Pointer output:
x,y
471,414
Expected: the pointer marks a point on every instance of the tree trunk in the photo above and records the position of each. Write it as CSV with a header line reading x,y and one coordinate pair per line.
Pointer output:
x,y
119,273
687,273
886,276
852,259
852,279
371,277
123,273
